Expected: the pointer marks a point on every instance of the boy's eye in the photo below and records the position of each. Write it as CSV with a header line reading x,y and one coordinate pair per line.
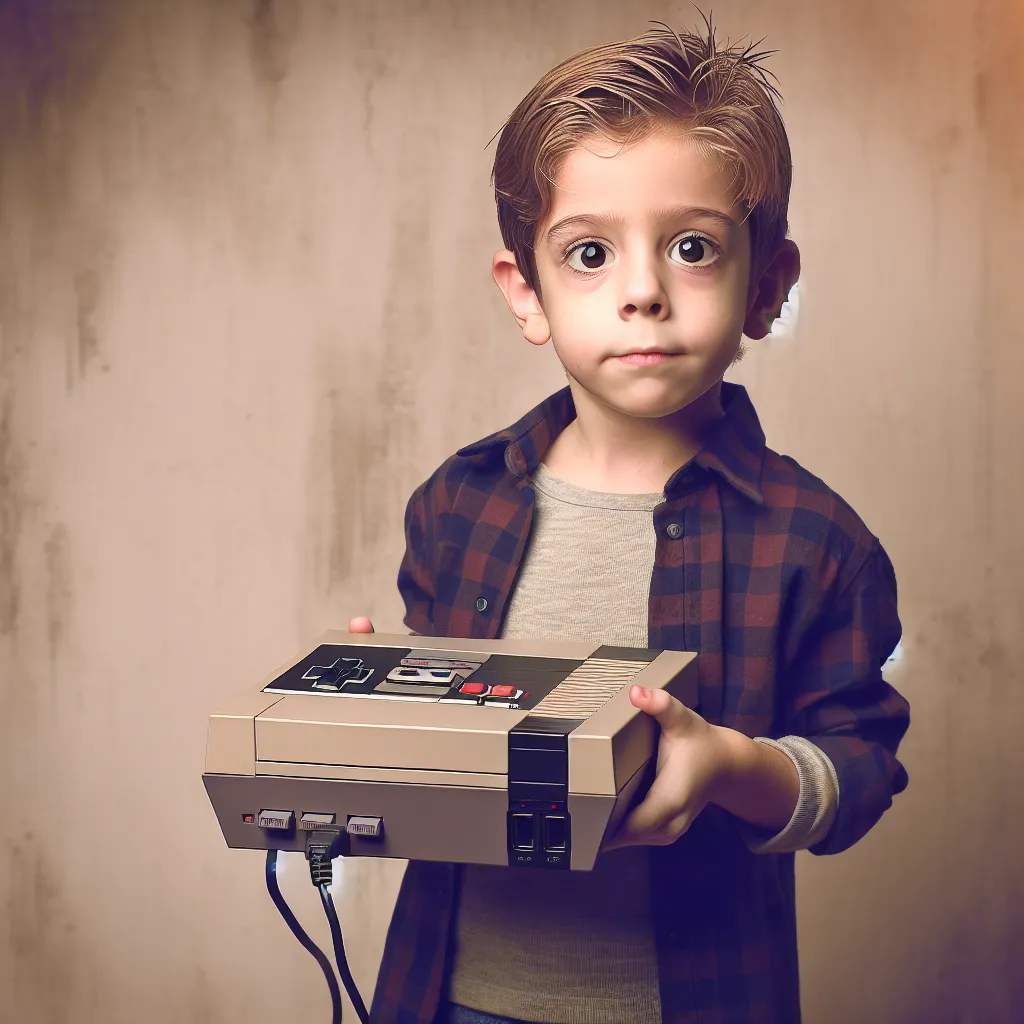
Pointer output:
x,y
590,256
690,250
696,251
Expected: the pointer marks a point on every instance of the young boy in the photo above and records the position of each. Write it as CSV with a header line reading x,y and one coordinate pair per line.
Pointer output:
x,y
642,191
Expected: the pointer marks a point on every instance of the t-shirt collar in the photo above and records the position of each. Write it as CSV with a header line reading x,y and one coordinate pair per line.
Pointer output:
x,y
734,450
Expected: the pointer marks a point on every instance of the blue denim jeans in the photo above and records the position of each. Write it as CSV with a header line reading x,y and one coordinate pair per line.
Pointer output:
x,y
452,1013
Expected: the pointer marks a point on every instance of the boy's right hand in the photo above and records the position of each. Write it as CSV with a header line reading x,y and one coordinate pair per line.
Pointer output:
x,y
360,624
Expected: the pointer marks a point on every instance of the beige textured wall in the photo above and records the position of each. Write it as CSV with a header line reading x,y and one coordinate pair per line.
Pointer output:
x,y
245,308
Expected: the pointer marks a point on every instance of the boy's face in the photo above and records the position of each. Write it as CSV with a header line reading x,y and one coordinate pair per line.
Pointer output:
x,y
643,251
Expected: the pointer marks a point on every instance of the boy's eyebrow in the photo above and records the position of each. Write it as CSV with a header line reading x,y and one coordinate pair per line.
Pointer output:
x,y
566,224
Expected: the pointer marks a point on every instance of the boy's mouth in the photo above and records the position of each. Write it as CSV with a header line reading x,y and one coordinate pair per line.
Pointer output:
x,y
645,356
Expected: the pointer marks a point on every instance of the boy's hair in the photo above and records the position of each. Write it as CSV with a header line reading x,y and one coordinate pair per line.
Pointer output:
x,y
625,90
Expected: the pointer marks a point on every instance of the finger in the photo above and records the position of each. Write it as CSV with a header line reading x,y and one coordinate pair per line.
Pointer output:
x,y
622,840
663,836
678,826
650,821
672,715
360,624
625,834
668,797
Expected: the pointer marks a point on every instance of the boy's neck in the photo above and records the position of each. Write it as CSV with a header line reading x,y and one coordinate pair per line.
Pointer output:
x,y
602,450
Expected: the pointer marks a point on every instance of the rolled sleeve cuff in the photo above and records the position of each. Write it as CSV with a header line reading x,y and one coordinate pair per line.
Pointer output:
x,y
816,805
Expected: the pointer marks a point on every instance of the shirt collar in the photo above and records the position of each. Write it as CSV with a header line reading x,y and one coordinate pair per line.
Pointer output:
x,y
734,450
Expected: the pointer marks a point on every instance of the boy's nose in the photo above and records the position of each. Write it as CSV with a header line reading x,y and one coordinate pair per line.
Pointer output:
x,y
648,301
643,292
653,309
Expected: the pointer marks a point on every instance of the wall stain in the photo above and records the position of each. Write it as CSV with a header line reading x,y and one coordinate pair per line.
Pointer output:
x,y
363,448
52,55
999,92
44,941
59,589
83,345
41,43
344,469
274,28
87,300
203,1007
51,66
330,473
11,517
981,104
371,64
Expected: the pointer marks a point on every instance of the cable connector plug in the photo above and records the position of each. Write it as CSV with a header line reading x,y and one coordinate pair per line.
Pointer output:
x,y
322,846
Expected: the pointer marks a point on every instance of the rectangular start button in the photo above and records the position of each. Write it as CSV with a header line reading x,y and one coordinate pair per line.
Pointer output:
x,y
373,828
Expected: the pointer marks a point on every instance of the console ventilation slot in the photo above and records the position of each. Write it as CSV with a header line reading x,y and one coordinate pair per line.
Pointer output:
x,y
588,688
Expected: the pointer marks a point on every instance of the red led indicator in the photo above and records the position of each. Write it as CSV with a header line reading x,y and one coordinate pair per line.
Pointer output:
x,y
249,819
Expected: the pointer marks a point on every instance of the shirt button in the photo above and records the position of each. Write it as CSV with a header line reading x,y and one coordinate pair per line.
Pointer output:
x,y
481,604
674,530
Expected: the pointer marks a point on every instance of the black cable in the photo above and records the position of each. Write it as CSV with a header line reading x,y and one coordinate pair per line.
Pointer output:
x,y
339,955
321,849
325,965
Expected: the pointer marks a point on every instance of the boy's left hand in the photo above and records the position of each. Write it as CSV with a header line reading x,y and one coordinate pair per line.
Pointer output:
x,y
693,761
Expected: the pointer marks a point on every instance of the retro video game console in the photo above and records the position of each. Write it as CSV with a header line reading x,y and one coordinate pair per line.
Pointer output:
x,y
502,752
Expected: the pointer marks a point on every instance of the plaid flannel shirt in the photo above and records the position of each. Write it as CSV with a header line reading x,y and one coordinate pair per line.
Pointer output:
x,y
790,602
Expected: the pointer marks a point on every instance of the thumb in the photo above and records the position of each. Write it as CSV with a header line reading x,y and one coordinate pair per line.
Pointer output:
x,y
360,624
668,712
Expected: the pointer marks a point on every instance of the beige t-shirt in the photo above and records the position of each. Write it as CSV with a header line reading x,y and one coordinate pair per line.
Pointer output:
x,y
558,945
578,947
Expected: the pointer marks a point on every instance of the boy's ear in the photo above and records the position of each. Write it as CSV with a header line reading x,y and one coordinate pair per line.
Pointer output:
x,y
521,298
767,295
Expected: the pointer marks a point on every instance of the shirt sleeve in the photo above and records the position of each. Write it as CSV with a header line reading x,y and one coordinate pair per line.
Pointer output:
x,y
416,576
836,697
417,573
815,807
